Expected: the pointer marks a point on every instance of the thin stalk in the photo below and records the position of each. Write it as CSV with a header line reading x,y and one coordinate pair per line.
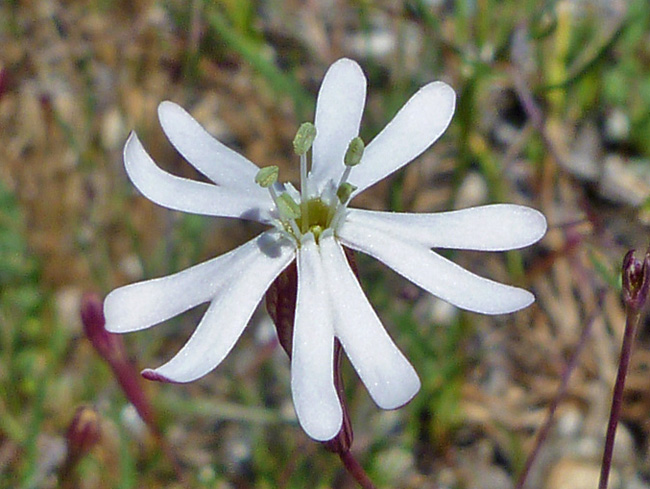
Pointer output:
x,y
355,470
633,317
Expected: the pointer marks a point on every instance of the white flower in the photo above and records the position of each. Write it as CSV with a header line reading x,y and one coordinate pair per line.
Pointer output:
x,y
312,226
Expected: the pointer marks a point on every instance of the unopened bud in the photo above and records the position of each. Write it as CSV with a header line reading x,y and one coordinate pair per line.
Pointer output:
x,y
304,138
111,348
636,282
83,433
354,152
108,345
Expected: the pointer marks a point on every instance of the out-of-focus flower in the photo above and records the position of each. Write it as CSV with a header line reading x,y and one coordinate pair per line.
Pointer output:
x,y
311,226
83,433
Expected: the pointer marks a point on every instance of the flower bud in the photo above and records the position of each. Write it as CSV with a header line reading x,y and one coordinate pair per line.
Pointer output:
x,y
636,283
108,345
83,433
111,348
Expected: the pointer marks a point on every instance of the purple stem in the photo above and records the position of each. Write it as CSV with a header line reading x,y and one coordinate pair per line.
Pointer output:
x,y
355,470
632,320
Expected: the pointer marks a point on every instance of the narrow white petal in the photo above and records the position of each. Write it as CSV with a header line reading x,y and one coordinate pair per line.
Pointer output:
x,y
436,274
228,313
387,374
312,364
191,196
416,126
144,304
339,107
209,156
495,227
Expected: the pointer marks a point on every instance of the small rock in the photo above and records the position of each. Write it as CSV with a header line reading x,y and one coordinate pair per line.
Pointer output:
x,y
625,181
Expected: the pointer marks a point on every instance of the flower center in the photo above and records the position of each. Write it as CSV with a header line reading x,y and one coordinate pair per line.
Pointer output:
x,y
318,218
299,214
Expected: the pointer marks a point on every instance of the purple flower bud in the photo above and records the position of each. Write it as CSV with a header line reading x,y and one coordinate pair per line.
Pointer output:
x,y
636,284
111,348
108,345
83,433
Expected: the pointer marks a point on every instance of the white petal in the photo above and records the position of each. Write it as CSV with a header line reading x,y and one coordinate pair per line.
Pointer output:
x,y
141,305
191,196
209,156
341,99
312,365
495,227
436,274
387,374
228,313
416,126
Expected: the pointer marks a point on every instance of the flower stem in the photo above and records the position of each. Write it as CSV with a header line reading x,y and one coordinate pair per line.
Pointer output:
x,y
355,470
632,320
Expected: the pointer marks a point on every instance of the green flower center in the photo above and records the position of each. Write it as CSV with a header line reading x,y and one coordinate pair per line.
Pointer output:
x,y
313,214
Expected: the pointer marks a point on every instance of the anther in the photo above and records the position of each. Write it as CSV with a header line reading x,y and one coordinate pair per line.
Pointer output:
x,y
304,138
267,176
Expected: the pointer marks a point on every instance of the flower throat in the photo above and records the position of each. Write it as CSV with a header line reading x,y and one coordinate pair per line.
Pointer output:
x,y
301,214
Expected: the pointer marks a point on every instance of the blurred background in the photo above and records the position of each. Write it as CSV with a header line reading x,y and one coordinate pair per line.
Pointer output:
x,y
553,112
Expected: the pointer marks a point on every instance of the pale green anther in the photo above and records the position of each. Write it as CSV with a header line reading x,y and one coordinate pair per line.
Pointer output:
x,y
267,176
288,207
344,191
304,138
354,153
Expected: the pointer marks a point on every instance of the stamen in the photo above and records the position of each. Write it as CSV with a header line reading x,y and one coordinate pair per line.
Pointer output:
x,y
290,211
354,153
352,158
344,190
304,138
301,145
267,176
288,207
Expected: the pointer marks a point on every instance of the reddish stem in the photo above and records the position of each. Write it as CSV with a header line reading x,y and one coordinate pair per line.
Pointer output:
x,y
355,470
632,320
